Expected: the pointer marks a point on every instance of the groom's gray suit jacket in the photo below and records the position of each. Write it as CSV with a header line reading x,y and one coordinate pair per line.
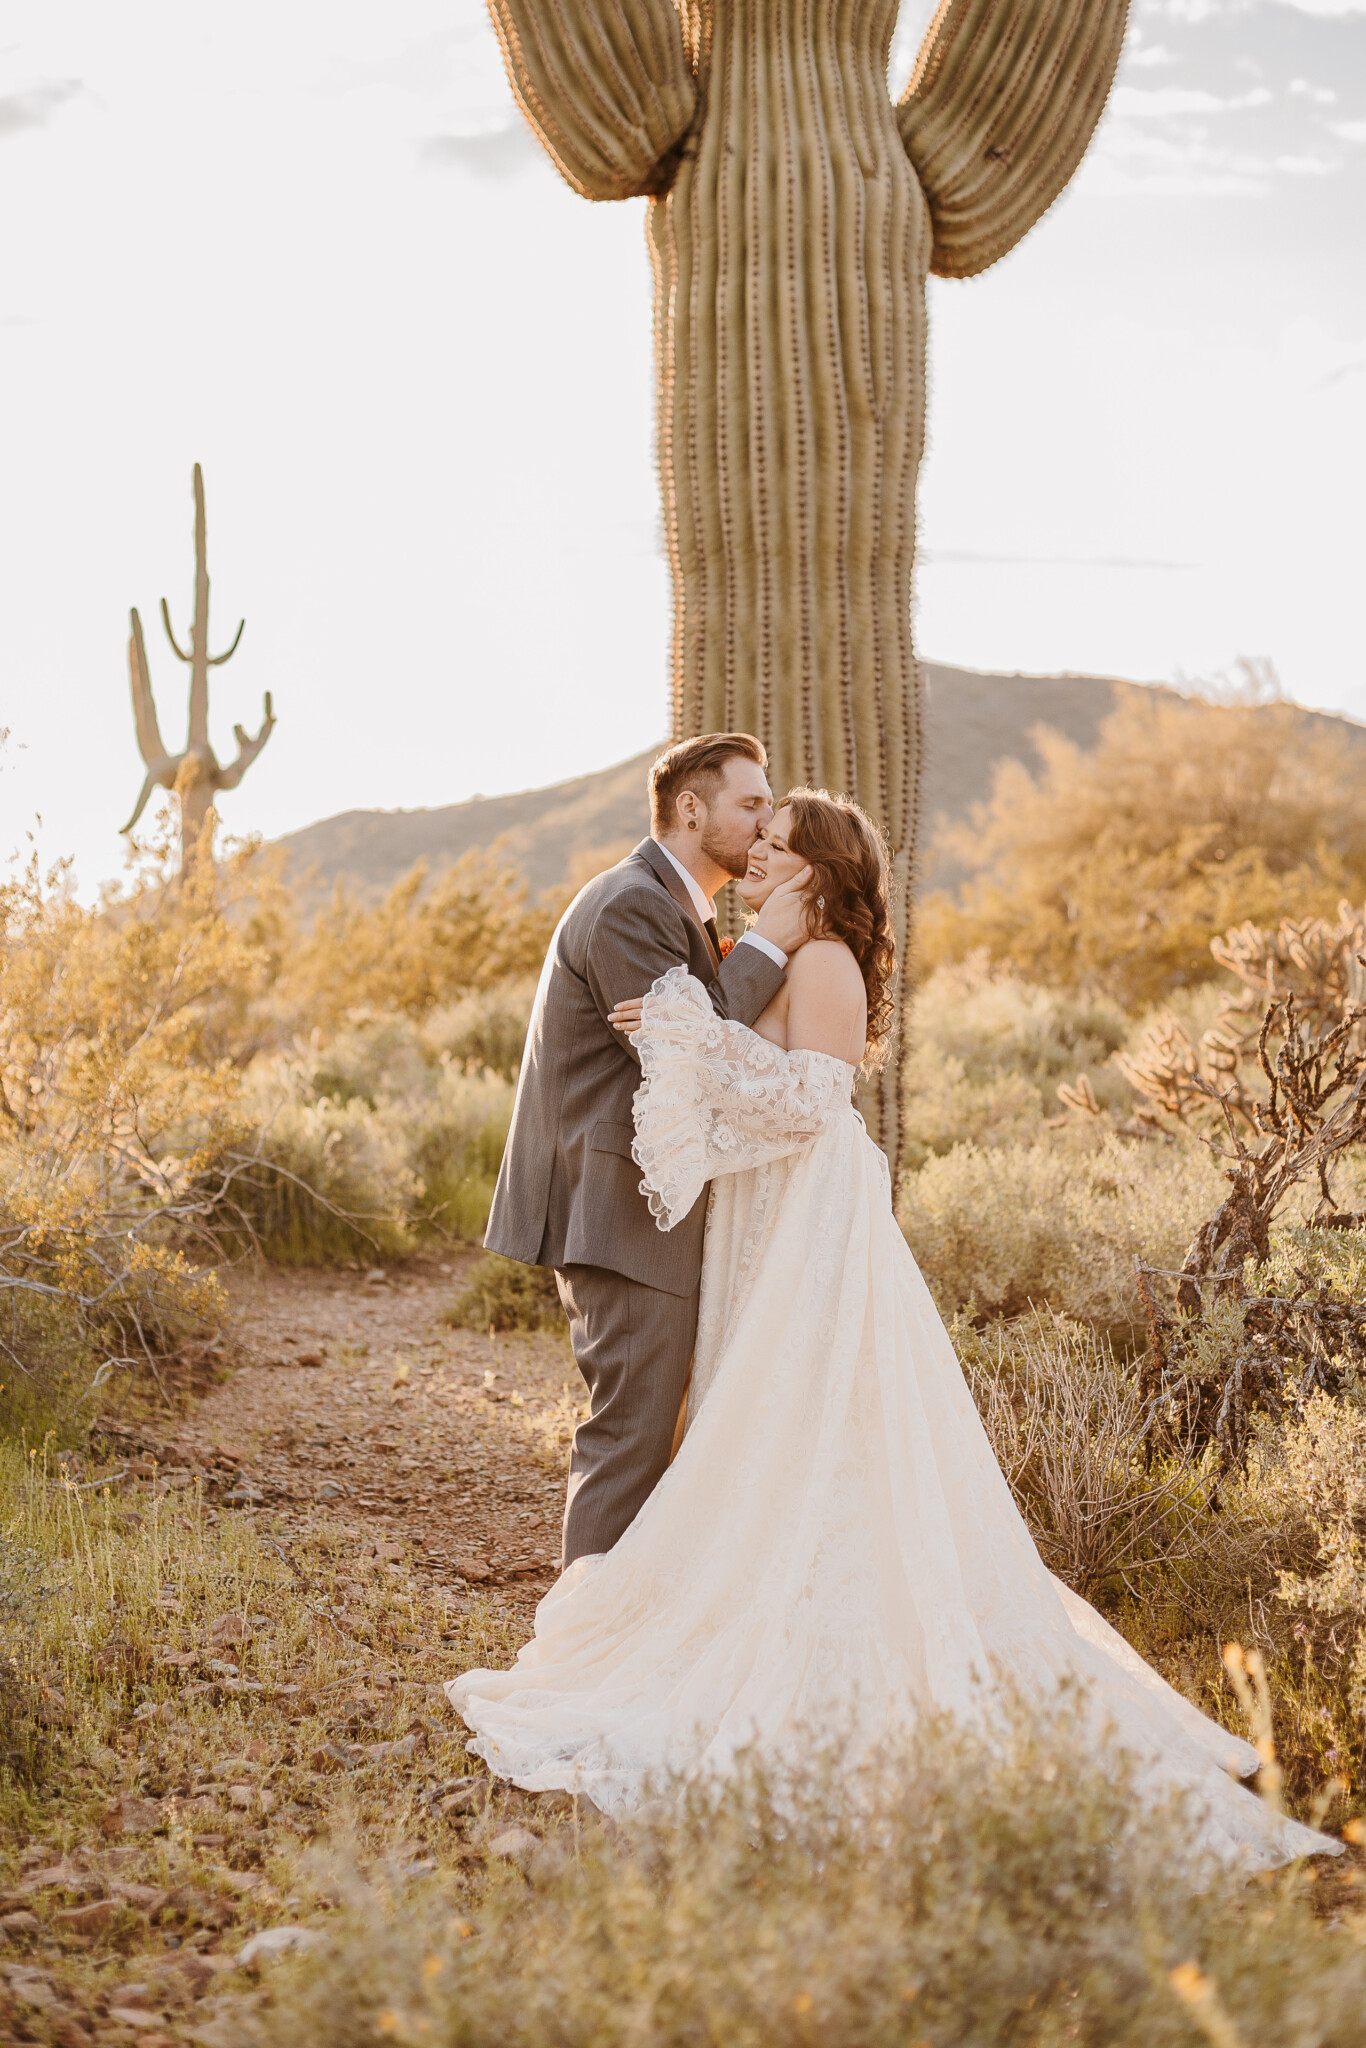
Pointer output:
x,y
568,1191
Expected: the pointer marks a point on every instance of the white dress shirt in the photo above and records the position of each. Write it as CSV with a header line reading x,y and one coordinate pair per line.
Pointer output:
x,y
707,910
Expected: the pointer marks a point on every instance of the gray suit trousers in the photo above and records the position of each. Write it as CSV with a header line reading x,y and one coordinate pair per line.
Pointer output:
x,y
633,1344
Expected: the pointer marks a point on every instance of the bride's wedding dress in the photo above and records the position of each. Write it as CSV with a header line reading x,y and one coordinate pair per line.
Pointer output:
x,y
834,1549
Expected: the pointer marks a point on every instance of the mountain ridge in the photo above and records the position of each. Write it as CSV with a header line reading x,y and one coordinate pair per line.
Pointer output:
x,y
973,719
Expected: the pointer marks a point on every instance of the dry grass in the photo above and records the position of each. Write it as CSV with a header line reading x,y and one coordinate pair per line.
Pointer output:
x,y
187,1703
1181,1557
999,1894
978,1891
1065,1417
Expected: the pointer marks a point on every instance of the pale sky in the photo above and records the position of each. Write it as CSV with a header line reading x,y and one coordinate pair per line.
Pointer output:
x,y
312,248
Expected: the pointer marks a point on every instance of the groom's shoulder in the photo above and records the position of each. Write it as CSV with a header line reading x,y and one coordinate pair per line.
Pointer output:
x,y
630,878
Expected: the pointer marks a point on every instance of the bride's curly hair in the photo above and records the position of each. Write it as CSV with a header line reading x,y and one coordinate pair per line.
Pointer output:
x,y
851,870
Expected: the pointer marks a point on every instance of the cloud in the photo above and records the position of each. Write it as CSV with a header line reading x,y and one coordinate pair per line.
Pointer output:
x,y
499,153
1331,7
36,107
1167,100
1196,11
961,557
1242,108
1339,376
1130,160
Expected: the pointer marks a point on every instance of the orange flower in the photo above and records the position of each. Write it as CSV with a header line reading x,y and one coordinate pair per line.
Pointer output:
x,y
727,945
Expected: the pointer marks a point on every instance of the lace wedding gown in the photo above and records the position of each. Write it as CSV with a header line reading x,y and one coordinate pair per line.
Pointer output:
x,y
834,1547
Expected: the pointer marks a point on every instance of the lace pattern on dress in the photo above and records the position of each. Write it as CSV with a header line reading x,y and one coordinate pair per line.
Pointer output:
x,y
716,1098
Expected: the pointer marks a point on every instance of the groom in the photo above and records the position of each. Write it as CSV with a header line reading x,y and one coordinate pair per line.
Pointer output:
x,y
568,1193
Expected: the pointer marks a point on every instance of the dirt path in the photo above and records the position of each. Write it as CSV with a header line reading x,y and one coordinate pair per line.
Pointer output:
x,y
349,1401
407,1481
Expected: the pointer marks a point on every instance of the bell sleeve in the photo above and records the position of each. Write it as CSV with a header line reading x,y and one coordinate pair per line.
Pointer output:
x,y
717,1098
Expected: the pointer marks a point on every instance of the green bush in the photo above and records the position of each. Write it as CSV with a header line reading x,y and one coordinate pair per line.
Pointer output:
x,y
1055,1225
371,1141
501,1294
987,1052
486,1030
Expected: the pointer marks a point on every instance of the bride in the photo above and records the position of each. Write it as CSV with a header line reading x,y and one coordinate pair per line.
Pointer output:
x,y
834,1544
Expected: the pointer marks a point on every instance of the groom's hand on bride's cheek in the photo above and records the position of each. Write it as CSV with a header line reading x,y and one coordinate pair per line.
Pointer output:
x,y
782,921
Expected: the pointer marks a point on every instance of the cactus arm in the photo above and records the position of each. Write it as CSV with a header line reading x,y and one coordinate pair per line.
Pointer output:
x,y
217,660
166,622
150,743
199,632
149,783
161,766
248,747
1003,100
606,84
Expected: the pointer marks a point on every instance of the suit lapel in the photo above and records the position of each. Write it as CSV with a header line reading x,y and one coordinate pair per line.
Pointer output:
x,y
655,856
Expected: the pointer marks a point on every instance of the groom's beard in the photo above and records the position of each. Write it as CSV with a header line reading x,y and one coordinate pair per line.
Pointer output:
x,y
733,860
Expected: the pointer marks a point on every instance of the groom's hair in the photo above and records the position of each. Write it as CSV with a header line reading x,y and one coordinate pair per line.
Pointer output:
x,y
699,765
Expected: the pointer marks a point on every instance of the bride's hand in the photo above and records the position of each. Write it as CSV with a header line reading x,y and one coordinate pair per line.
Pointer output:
x,y
626,1016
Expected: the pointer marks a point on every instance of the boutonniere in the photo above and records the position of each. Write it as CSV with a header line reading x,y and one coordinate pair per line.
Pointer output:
x,y
727,945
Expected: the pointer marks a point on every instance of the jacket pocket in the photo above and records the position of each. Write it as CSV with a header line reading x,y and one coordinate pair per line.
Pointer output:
x,y
617,1138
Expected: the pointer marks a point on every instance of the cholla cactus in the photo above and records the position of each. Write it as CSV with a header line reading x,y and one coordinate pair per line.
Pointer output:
x,y
1321,963
1316,966
795,214
1230,1352
1277,1089
195,774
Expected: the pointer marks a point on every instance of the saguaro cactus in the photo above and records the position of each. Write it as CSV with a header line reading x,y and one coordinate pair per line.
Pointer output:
x,y
195,774
794,215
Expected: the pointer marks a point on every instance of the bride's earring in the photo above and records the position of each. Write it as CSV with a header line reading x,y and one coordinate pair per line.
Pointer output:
x,y
820,903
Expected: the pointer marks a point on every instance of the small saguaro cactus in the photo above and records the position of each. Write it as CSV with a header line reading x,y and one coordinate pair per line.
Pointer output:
x,y
794,216
195,775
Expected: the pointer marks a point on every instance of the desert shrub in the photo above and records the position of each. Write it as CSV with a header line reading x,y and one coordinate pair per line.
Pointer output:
x,y
487,1030
119,1115
1247,1577
373,1137
1260,1340
324,1181
1056,1225
502,1294
988,1051
431,943
977,1890
1180,1557
1065,1418
1112,867
1324,1474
